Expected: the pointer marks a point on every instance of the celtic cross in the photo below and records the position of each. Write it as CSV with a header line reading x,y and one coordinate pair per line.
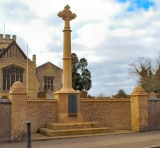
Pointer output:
x,y
67,16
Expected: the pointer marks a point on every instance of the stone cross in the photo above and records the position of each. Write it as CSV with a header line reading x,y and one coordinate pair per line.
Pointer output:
x,y
68,98
67,16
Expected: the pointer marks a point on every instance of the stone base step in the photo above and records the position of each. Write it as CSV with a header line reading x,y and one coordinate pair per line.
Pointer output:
x,y
63,126
52,133
39,137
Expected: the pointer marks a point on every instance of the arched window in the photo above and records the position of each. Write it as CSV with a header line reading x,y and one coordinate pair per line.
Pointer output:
x,y
11,74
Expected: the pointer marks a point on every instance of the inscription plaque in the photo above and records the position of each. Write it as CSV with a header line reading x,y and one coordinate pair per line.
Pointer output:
x,y
72,105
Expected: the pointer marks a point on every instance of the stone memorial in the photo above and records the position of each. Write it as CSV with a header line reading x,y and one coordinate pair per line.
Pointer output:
x,y
68,98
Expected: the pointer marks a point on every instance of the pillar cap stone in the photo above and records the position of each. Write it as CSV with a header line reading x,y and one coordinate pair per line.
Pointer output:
x,y
18,88
139,91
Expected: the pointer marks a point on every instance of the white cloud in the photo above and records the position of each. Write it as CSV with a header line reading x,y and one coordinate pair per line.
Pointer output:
x,y
92,34
104,32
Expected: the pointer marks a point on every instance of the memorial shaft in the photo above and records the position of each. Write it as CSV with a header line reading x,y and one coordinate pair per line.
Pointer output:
x,y
67,76
67,16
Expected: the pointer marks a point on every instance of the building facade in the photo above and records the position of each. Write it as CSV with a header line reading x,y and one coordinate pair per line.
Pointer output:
x,y
46,78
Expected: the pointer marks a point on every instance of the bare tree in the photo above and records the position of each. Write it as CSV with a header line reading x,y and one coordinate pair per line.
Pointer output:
x,y
140,68
101,95
143,70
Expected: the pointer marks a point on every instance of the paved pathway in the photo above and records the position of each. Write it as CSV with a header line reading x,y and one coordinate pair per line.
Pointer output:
x,y
149,139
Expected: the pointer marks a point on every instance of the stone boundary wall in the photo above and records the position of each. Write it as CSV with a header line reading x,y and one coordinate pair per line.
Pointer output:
x,y
154,114
41,112
115,112
5,120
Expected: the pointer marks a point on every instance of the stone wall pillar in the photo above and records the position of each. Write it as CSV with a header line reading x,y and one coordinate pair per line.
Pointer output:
x,y
18,97
139,110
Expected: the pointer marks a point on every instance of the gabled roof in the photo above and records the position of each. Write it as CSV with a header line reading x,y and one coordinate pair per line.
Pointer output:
x,y
17,48
48,63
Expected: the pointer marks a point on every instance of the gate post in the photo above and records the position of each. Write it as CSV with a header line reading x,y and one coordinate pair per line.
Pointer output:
x,y
18,97
139,110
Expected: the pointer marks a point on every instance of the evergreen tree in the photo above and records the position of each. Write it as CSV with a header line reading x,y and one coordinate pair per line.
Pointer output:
x,y
121,94
81,76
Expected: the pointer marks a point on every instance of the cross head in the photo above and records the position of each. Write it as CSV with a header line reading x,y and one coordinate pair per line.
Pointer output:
x,y
67,15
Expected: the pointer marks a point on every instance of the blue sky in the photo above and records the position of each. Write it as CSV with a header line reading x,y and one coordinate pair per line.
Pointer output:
x,y
110,34
145,4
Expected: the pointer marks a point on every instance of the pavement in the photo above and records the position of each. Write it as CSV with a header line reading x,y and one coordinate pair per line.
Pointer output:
x,y
118,139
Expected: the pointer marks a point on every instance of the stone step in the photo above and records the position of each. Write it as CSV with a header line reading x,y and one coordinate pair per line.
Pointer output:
x,y
51,133
63,126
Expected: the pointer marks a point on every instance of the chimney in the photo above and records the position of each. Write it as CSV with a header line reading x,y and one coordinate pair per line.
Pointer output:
x,y
34,58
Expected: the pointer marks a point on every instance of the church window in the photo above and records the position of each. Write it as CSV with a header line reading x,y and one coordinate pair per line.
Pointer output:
x,y
11,74
48,84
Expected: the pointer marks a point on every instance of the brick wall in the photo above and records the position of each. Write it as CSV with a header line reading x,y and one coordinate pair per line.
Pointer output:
x,y
41,112
5,120
154,114
109,112
115,113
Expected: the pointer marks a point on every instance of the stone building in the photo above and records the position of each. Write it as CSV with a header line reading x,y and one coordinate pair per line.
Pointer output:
x,y
13,67
49,77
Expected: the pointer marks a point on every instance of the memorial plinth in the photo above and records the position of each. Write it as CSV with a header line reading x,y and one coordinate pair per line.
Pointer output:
x,y
68,98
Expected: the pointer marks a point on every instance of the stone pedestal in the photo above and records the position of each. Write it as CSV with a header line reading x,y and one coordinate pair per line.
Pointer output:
x,y
139,110
64,114
18,97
